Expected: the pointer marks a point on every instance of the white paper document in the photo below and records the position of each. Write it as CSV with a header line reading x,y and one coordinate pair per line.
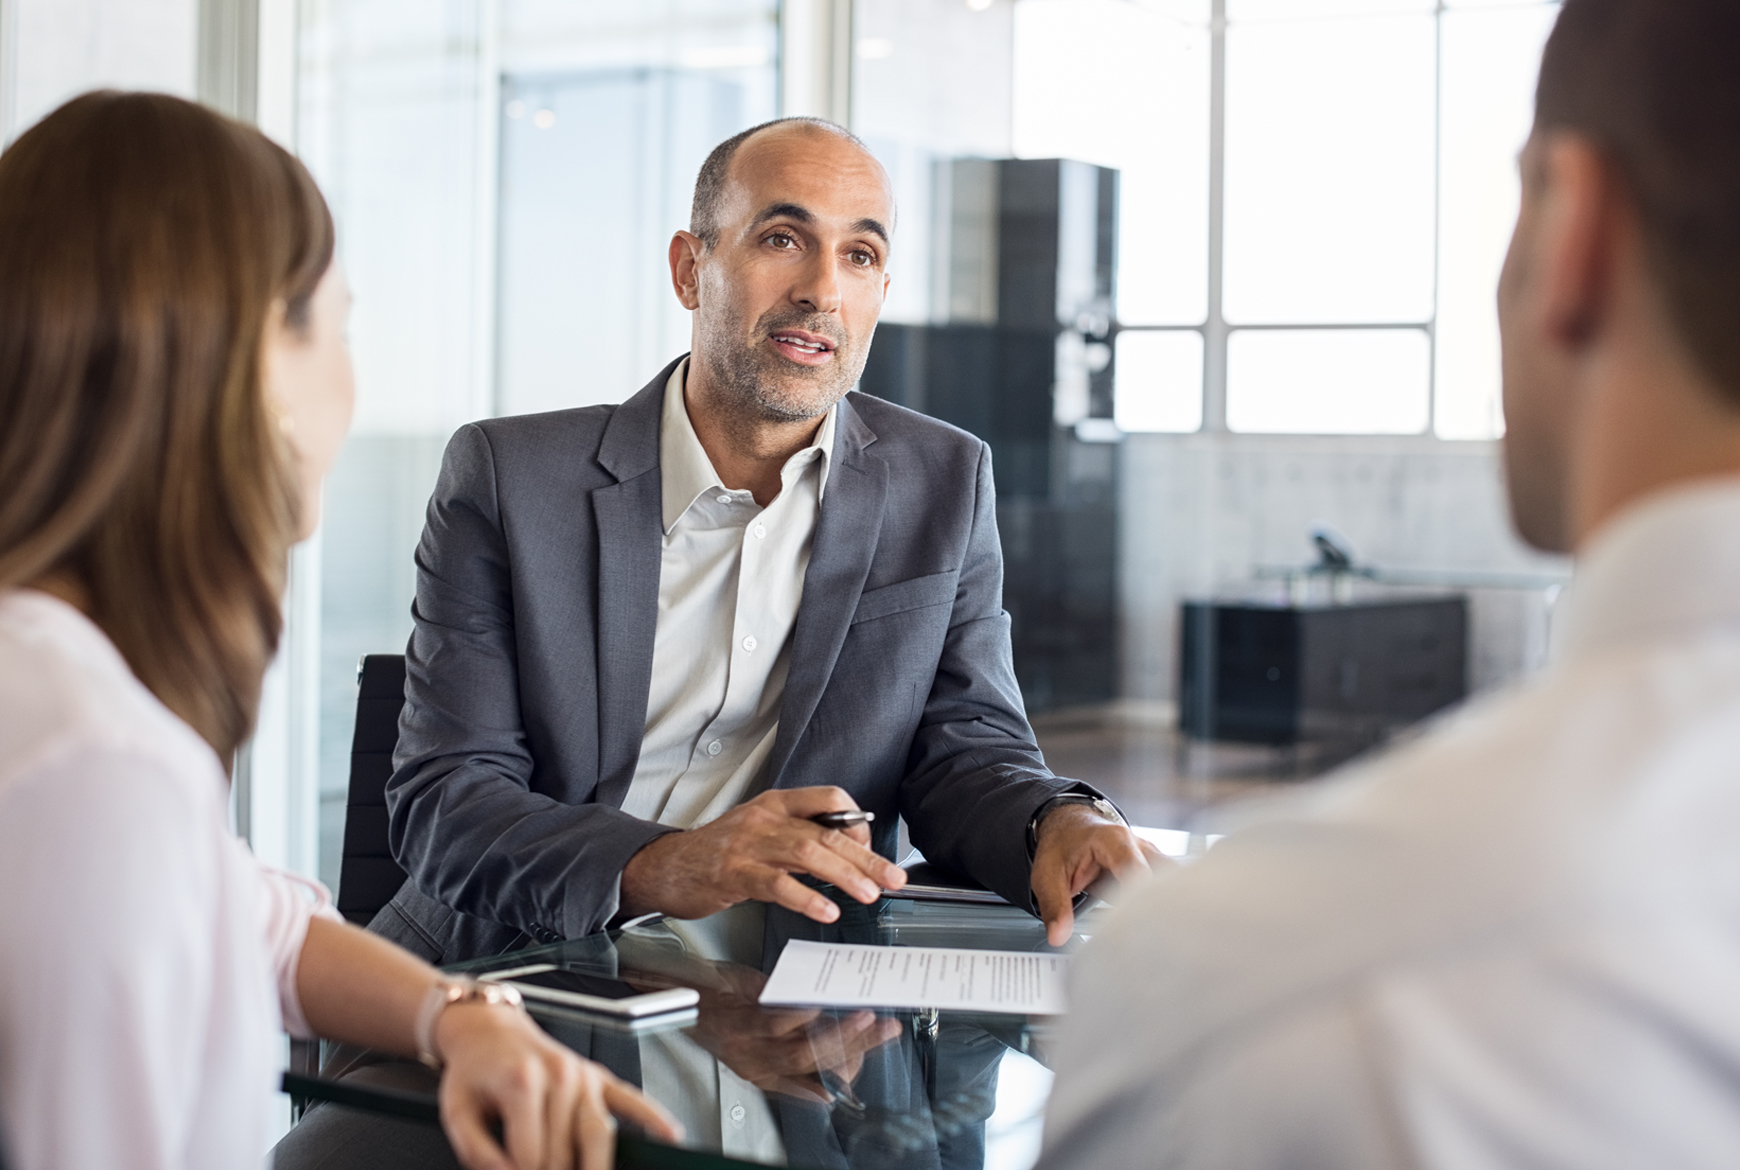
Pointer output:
x,y
846,975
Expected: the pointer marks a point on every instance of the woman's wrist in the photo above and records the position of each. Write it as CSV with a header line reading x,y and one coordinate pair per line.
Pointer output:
x,y
448,993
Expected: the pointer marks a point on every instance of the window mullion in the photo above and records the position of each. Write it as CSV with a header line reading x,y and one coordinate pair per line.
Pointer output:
x,y
1215,330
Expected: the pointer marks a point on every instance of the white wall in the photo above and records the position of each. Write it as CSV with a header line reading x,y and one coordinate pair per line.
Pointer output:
x,y
56,49
1202,512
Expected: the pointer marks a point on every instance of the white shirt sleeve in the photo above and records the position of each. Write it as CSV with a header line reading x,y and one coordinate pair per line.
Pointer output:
x,y
287,904
115,972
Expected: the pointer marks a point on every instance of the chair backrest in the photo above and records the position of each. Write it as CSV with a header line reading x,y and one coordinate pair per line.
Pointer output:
x,y
368,876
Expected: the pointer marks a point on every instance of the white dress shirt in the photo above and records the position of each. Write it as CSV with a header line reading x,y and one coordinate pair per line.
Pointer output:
x,y
730,579
1514,943
147,961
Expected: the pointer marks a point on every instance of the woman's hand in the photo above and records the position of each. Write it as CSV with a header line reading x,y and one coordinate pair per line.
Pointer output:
x,y
557,1111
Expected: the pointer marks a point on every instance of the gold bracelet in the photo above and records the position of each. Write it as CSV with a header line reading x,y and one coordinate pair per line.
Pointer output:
x,y
443,995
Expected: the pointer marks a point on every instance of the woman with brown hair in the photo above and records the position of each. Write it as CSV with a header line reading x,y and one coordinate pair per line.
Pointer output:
x,y
174,384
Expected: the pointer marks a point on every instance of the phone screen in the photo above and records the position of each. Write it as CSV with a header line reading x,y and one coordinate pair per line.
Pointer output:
x,y
579,983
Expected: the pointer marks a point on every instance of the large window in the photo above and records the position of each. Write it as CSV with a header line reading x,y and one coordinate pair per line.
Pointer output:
x,y
1317,197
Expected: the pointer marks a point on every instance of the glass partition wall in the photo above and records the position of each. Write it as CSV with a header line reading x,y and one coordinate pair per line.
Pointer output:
x,y
505,174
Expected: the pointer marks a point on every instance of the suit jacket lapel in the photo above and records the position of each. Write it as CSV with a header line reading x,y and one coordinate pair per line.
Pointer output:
x,y
840,555
629,546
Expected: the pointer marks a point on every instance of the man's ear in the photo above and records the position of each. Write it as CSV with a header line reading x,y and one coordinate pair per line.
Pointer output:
x,y
1574,238
685,253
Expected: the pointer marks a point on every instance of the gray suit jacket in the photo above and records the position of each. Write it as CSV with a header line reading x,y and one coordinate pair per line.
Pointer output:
x,y
528,671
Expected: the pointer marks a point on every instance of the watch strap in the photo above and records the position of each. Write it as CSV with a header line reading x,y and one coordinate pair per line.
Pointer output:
x,y
1099,804
443,994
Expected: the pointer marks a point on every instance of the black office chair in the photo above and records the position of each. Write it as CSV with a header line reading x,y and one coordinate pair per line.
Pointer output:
x,y
368,877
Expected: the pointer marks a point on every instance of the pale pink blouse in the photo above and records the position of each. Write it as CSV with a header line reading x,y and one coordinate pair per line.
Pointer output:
x,y
147,960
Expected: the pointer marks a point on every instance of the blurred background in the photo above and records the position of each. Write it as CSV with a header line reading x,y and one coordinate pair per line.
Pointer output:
x,y
1213,277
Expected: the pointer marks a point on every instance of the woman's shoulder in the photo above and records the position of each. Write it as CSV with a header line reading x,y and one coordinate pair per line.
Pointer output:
x,y
66,693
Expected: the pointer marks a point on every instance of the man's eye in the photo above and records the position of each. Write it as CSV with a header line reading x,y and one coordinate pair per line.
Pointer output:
x,y
863,259
781,240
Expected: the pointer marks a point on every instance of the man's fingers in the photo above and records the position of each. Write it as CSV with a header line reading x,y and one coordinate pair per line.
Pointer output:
x,y
1059,928
809,802
1051,891
804,803
641,1110
787,891
1127,858
835,858
877,869
883,872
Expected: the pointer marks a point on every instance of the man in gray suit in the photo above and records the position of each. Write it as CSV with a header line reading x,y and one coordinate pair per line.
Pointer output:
x,y
653,640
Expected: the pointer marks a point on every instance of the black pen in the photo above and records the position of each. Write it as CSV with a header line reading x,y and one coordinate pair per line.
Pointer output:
x,y
844,819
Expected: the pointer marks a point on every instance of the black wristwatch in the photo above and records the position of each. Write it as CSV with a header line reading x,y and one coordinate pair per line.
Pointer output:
x,y
1099,804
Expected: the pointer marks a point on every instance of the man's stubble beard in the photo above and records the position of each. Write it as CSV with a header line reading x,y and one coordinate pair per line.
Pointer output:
x,y
755,382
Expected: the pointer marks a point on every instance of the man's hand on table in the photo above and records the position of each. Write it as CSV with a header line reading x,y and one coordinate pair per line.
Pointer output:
x,y
751,852
1075,847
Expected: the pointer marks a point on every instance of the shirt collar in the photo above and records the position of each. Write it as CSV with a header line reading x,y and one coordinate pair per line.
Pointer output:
x,y
686,473
1668,564
46,616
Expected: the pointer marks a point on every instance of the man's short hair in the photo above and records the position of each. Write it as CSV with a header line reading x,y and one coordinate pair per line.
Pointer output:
x,y
1655,84
710,183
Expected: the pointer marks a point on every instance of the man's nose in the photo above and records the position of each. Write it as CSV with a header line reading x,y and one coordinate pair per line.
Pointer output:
x,y
818,286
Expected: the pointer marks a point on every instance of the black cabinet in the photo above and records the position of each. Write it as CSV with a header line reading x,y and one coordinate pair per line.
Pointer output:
x,y
1038,249
1344,673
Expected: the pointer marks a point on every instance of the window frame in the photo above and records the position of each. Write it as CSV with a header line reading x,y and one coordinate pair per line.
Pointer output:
x,y
1217,332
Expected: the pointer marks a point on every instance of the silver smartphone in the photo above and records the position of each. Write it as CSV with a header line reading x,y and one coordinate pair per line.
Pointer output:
x,y
549,983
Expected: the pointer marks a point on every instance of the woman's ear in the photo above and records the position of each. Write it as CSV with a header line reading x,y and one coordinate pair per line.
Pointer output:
x,y
309,386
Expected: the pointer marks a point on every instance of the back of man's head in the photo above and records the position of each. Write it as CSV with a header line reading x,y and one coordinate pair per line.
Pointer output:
x,y
1656,85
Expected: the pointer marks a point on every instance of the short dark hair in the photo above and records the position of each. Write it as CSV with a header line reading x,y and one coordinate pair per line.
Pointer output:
x,y
710,183
1655,84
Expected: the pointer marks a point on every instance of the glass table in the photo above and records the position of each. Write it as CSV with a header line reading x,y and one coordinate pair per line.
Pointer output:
x,y
781,1086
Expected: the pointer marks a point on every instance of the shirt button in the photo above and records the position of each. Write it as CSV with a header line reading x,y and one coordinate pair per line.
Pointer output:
x,y
738,1113
715,748
724,499
760,530
750,643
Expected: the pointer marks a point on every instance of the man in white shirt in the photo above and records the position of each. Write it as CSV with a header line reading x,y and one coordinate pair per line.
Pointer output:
x,y
654,640
1515,942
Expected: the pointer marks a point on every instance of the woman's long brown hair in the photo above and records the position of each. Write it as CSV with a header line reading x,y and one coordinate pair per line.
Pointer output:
x,y
143,242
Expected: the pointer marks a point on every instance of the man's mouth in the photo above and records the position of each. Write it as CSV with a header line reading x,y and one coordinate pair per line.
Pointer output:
x,y
805,348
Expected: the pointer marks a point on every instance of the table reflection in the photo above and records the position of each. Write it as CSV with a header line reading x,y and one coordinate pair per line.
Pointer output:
x,y
782,1086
